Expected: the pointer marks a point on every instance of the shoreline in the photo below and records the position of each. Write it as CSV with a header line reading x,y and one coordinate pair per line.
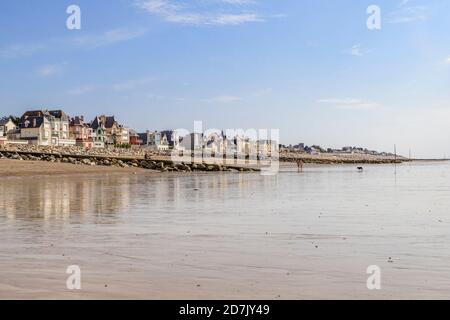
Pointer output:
x,y
341,159
25,164
157,164
18,168
59,161
10,168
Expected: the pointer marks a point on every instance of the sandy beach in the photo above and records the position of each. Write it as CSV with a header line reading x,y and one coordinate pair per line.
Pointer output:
x,y
223,236
16,168
9,168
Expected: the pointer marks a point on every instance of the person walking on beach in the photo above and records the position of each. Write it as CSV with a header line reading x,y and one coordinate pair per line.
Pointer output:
x,y
300,165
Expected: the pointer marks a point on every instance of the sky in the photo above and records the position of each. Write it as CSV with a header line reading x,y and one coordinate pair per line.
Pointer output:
x,y
310,68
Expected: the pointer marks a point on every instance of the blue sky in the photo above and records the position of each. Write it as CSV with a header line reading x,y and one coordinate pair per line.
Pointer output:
x,y
310,68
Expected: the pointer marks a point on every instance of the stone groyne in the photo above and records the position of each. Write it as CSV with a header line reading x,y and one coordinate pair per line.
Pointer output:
x,y
330,158
341,161
117,161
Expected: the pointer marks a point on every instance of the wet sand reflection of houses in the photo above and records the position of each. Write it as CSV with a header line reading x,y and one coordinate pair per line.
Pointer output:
x,y
63,197
113,199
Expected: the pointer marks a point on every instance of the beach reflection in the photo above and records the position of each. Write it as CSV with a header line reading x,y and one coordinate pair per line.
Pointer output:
x,y
72,197
59,197
294,235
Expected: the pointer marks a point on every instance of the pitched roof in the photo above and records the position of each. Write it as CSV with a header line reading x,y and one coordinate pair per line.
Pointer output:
x,y
35,113
168,134
78,121
32,122
96,123
59,114
4,121
133,133
106,121
110,121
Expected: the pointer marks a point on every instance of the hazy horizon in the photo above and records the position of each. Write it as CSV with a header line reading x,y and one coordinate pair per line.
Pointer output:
x,y
311,69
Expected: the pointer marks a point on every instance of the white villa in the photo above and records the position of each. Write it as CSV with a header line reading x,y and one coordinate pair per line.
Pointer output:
x,y
48,128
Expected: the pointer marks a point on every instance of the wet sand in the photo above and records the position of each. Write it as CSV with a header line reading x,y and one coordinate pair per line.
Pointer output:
x,y
228,236
9,168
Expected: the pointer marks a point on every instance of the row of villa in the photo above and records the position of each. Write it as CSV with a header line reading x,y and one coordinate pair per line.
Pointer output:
x,y
56,128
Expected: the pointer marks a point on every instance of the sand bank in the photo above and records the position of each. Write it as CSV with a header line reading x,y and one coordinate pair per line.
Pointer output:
x,y
31,168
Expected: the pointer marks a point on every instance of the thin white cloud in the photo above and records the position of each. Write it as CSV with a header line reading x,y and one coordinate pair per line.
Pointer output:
x,y
128,85
50,70
20,50
109,37
175,12
186,18
236,19
239,2
225,99
92,41
154,96
350,104
132,84
408,14
81,90
447,60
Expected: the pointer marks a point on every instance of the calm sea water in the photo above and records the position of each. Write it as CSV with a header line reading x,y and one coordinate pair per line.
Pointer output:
x,y
293,235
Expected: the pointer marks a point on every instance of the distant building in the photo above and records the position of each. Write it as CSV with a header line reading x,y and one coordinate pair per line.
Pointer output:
x,y
98,133
171,138
123,136
6,126
299,147
244,146
144,138
35,127
267,147
113,133
135,138
193,142
13,135
81,132
311,150
229,146
161,141
48,128
155,140
347,149
60,128
214,143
